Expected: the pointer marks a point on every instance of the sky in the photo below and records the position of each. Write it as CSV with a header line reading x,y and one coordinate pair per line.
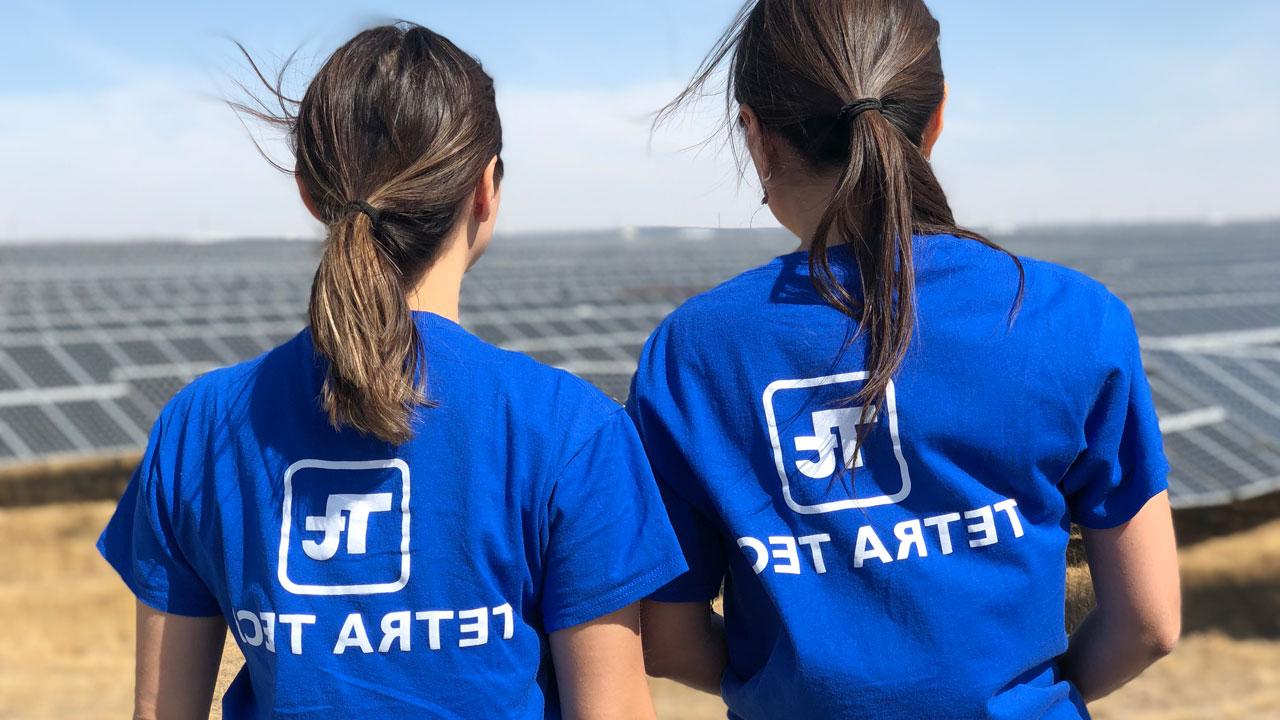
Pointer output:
x,y
112,123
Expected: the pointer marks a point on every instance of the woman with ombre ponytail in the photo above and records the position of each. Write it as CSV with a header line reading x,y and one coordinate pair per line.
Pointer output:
x,y
394,518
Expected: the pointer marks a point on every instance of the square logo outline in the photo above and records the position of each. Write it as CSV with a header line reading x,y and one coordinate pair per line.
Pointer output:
x,y
286,525
891,405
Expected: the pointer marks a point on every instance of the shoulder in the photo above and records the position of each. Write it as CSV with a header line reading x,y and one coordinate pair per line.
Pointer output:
x,y
220,393
710,316
1081,312
538,396
1063,279
747,288
1063,294
555,419
530,378
1077,298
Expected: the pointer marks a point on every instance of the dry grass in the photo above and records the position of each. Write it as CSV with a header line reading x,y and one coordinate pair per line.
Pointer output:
x,y
68,652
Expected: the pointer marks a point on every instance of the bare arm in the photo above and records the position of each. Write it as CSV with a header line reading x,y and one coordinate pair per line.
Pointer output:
x,y
600,669
177,665
685,642
1139,607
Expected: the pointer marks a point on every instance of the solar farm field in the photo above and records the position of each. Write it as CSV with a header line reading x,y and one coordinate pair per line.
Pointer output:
x,y
95,338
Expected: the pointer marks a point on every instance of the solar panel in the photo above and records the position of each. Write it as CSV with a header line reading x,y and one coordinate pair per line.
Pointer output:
x,y
94,339
40,364
92,358
35,429
6,381
95,422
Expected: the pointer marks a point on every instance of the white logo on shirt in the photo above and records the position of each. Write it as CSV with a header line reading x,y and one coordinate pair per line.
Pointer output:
x,y
814,456
332,524
347,515
845,422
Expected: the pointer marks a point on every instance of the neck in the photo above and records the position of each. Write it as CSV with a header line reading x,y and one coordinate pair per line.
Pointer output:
x,y
799,205
440,287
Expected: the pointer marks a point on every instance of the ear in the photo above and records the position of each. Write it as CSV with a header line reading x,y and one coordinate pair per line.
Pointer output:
x,y
757,143
485,198
934,129
307,200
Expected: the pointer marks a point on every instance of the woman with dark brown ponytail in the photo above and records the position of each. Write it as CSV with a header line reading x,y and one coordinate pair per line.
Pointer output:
x,y
876,445
395,519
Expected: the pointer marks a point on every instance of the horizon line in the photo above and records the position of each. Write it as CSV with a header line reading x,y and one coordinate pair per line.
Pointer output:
x,y
631,230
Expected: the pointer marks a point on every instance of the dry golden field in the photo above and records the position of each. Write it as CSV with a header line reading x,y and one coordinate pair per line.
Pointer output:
x,y
67,649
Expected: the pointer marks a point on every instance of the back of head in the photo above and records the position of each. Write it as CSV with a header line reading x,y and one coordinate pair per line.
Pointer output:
x,y
390,139
851,87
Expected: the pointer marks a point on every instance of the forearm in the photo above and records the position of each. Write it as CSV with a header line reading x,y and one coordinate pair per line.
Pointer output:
x,y
1105,655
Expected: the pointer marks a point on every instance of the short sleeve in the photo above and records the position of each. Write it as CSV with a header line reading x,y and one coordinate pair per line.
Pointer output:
x,y
656,413
1122,465
141,544
703,552
609,541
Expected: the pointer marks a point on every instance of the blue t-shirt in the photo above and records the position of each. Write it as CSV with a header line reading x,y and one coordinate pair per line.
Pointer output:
x,y
931,585
368,580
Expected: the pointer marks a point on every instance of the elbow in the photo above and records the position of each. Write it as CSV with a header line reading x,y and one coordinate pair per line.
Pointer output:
x,y
1144,638
1167,631
1163,640
1157,637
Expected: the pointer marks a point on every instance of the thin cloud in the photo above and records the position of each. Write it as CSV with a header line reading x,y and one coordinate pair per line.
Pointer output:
x,y
149,156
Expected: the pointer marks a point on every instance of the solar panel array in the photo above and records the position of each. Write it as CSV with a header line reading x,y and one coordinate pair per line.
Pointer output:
x,y
94,339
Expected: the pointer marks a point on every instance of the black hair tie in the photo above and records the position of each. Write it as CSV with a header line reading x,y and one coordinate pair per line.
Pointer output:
x,y
375,215
851,111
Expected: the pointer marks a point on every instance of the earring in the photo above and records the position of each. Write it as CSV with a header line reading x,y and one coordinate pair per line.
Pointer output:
x,y
764,183
765,200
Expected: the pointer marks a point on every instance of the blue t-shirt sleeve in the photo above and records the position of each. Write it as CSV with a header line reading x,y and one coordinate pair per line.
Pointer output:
x,y
609,543
1122,465
658,417
703,552
141,544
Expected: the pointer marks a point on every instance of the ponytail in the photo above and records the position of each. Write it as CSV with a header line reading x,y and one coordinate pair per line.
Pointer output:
x,y
390,141
360,322
871,213
851,86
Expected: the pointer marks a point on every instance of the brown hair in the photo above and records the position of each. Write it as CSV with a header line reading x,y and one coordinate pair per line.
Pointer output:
x,y
800,64
390,139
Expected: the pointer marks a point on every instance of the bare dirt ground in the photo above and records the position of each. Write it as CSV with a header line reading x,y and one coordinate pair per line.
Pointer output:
x,y
68,639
